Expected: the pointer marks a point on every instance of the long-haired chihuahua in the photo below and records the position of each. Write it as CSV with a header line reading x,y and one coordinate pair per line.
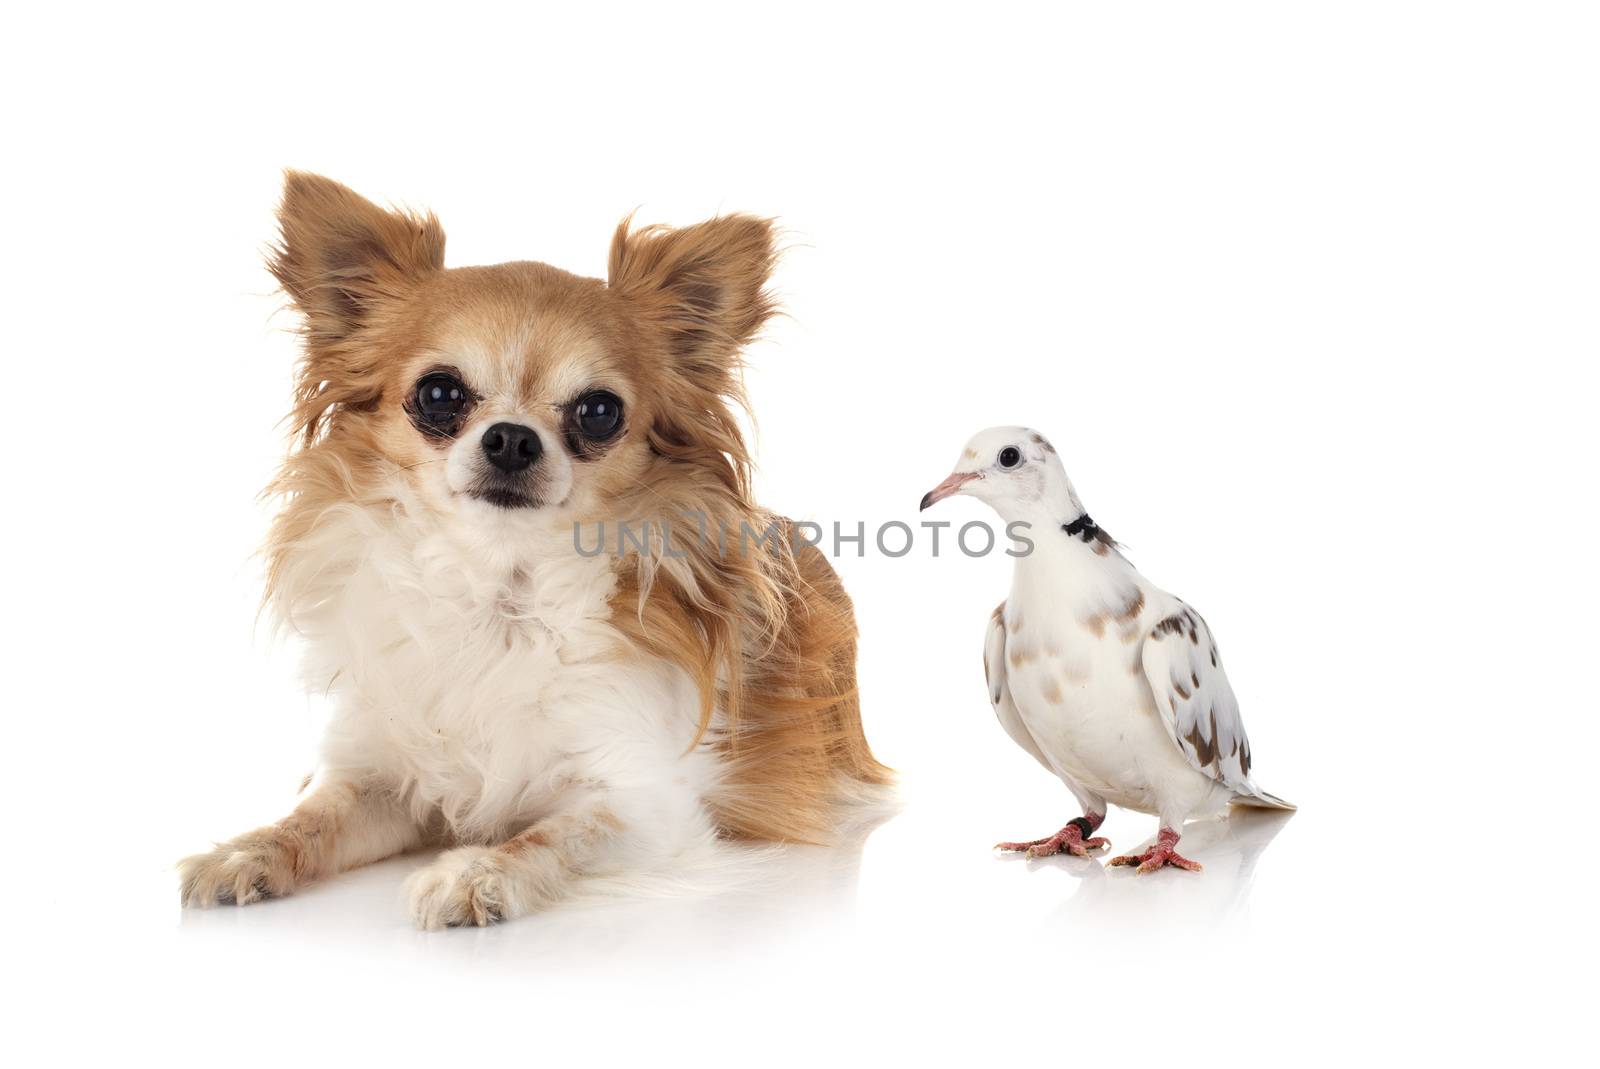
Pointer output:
x,y
504,538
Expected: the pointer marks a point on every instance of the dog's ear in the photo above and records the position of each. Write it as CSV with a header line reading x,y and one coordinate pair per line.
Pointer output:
x,y
703,285
340,255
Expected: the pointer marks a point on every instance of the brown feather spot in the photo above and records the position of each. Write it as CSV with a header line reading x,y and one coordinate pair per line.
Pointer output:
x,y
1172,625
1096,624
1204,750
1052,691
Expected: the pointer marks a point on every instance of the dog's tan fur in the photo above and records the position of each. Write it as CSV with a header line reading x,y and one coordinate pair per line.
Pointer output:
x,y
768,636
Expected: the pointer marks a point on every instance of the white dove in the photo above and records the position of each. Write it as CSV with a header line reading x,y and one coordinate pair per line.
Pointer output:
x,y
1112,684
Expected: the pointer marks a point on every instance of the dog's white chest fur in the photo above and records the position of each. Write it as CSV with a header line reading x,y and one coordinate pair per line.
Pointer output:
x,y
483,683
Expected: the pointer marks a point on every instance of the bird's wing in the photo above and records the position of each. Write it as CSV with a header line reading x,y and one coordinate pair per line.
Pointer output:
x,y
1193,696
994,672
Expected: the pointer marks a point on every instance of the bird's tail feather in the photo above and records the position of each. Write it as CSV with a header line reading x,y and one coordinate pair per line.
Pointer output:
x,y
1262,800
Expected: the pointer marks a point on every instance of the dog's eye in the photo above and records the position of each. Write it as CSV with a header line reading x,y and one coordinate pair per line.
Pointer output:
x,y
598,414
442,399
1010,457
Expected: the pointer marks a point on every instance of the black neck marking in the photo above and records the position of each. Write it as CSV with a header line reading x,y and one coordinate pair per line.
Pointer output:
x,y
1082,527
1091,533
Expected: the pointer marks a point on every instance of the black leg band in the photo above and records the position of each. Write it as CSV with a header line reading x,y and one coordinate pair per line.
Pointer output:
x,y
1083,825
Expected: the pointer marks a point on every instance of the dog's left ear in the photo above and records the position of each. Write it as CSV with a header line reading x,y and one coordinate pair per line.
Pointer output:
x,y
703,285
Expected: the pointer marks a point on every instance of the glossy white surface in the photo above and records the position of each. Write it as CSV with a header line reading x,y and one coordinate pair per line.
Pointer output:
x,y
1305,296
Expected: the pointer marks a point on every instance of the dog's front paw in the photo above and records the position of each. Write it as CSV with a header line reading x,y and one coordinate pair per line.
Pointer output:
x,y
468,885
243,871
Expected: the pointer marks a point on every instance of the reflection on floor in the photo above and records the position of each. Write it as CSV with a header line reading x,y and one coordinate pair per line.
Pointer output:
x,y
764,901
1227,847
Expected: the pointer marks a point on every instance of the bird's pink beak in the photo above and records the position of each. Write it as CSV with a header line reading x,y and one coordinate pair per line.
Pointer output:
x,y
950,486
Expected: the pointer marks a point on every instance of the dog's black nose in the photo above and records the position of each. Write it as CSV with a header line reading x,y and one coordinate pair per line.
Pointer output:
x,y
511,447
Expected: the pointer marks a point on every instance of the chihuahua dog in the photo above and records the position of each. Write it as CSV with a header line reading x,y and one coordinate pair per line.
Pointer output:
x,y
463,440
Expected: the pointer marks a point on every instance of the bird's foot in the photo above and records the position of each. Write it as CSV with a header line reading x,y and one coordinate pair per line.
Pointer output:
x,y
1069,840
1163,853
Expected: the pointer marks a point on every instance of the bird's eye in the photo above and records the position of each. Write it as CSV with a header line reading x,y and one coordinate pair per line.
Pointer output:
x,y
441,400
598,414
1010,457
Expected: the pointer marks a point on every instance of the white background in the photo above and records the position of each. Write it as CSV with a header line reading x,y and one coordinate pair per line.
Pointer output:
x,y
1305,297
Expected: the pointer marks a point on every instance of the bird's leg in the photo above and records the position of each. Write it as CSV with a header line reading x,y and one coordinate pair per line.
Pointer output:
x,y
1071,839
1164,852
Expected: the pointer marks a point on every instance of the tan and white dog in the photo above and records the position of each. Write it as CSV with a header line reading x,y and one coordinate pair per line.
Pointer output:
x,y
548,712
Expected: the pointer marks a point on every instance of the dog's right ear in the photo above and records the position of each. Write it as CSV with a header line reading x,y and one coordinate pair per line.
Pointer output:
x,y
340,256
